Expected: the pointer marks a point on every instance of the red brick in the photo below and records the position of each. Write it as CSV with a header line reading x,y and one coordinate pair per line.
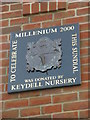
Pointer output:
x,y
40,100
51,24
77,5
84,35
64,98
62,5
31,26
39,18
4,8
6,96
6,87
5,62
88,42
7,69
35,8
1,87
84,60
84,51
85,26
75,106
83,11
26,9
10,114
75,20
8,54
19,21
44,117
4,23
16,6
51,91
83,86
84,76
3,38
84,43
5,46
0,105
0,63
66,115
43,6
1,115
84,95
84,68
51,109
30,112
84,114
29,94
52,6
7,30
64,14
4,79
16,104
3,54
2,71
12,14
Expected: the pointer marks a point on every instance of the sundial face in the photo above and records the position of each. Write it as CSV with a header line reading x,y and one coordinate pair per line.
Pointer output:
x,y
43,55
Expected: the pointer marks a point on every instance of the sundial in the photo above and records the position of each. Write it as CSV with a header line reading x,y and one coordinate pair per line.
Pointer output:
x,y
43,55
50,58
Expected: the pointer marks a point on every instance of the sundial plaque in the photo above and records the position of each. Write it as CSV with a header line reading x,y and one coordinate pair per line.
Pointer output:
x,y
44,58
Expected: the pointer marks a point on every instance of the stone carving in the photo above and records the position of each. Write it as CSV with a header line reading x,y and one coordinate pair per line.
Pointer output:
x,y
43,55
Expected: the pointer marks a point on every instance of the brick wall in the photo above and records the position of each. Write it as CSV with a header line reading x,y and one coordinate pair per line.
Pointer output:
x,y
66,102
